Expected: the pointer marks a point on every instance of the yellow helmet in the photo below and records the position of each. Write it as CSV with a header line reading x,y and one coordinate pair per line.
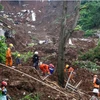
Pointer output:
x,y
18,55
67,66
11,45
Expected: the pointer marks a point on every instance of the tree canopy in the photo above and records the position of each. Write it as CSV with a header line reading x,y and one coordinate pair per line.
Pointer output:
x,y
89,15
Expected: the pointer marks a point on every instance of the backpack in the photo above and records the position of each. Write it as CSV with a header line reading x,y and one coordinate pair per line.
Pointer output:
x,y
98,81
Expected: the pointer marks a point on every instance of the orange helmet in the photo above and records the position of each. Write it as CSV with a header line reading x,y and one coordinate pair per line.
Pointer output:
x,y
4,83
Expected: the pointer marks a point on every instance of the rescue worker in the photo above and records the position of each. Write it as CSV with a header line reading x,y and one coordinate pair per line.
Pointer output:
x,y
95,85
95,94
9,61
18,61
70,70
3,91
51,68
35,60
44,68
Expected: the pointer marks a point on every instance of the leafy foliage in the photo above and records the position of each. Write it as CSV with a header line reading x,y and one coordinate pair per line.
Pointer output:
x,y
89,33
1,7
25,56
87,64
77,28
30,97
92,54
89,16
3,48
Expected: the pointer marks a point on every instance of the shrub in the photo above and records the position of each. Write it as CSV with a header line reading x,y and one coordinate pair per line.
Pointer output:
x,y
92,54
1,7
87,64
89,33
77,28
3,48
25,56
31,97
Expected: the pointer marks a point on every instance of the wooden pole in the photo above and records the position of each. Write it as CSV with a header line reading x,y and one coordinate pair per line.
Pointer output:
x,y
68,79
35,79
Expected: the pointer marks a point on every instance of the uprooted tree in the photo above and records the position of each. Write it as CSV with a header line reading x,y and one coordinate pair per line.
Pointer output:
x,y
70,15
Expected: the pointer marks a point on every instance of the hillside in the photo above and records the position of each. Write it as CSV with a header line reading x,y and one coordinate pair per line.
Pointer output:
x,y
44,28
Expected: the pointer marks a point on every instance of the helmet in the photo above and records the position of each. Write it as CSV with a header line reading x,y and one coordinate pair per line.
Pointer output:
x,y
4,83
40,63
67,66
51,65
95,90
95,75
18,55
11,45
36,52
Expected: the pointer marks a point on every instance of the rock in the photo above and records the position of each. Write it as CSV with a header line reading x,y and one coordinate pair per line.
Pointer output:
x,y
39,10
49,96
24,93
29,32
42,41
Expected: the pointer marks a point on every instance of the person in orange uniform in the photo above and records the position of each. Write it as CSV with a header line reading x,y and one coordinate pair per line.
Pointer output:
x,y
9,61
44,68
95,85
70,69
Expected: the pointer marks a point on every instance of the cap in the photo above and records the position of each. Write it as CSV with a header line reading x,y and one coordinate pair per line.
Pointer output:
x,y
18,55
4,83
36,52
11,45
67,66
40,63
95,91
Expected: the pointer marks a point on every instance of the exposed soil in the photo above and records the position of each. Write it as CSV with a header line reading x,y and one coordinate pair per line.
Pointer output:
x,y
18,84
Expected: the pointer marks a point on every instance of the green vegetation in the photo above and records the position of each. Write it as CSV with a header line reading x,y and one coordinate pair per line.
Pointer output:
x,y
89,15
1,7
24,57
90,59
3,48
87,64
92,55
30,97
89,33
78,27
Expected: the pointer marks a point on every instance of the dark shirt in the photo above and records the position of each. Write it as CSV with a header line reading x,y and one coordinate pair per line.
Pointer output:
x,y
18,61
35,58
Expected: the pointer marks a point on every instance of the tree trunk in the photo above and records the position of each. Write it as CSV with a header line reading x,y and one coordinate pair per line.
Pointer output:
x,y
67,26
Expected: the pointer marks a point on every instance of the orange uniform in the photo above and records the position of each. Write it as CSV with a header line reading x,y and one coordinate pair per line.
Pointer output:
x,y
9,61
70,69
44,68
94,83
